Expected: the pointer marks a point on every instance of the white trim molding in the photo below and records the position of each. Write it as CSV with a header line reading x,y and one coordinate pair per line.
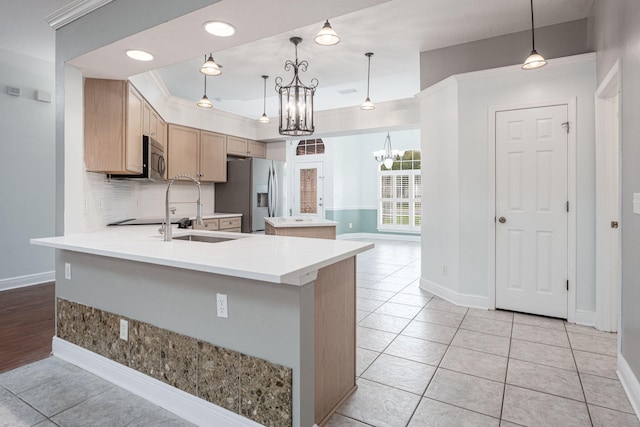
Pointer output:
x,y
465,300
28,280
183,404
73,11
629,383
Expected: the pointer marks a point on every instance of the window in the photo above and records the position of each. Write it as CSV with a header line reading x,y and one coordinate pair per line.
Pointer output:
x,y
400,189
310,146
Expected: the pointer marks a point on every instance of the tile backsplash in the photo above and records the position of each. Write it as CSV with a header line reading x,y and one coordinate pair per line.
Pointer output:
x,y
110,200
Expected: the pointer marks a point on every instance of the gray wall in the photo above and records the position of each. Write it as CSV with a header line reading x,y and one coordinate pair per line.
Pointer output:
x,y
554,41
27,165
614,32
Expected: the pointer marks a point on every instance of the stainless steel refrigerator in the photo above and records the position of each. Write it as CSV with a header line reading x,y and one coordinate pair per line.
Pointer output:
x,y
254,188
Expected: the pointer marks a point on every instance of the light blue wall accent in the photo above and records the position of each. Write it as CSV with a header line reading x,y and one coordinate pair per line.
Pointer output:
x,y
362,221
27,165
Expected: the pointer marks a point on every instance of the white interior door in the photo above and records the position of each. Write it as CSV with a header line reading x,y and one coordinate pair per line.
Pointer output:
x,y
607,206
531,210
309,190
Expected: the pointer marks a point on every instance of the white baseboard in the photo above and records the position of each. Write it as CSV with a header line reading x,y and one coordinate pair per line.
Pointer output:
x,y
378,236
629,383
454,297
185,405
587,318
28,280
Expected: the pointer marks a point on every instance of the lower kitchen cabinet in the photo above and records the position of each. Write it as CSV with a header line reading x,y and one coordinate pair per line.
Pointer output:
x,y
220,224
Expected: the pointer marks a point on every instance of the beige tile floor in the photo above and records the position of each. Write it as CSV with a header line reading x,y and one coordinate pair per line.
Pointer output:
x,y
422,361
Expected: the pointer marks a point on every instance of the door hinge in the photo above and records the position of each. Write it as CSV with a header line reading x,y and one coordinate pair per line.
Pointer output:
x,y
566,125
567,284
567,206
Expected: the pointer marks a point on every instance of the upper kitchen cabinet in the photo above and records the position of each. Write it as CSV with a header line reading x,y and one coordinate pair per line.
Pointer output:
x,y
113,119
198,153
153,125
242,147
256,149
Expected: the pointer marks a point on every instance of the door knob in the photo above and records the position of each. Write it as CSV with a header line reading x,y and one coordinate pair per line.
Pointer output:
x,y
502,220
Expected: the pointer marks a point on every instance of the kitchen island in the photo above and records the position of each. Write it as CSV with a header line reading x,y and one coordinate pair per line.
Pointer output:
x,y
297,226
284,355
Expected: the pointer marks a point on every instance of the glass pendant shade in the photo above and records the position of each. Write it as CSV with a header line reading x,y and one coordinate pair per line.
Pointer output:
x,y
327,36
534,60
264,119
210,67
296,99
204,102
367,104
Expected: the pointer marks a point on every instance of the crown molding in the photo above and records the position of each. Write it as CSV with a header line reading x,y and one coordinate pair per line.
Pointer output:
x,y
73,11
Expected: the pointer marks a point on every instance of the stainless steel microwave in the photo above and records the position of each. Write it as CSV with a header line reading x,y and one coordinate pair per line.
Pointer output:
x,y
153,161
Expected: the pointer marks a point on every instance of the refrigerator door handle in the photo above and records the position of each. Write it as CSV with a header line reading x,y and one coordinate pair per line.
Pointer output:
x,y
276,194
269,193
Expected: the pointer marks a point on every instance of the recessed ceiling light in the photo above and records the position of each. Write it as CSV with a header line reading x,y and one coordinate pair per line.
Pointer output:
x,y
139,55
219,28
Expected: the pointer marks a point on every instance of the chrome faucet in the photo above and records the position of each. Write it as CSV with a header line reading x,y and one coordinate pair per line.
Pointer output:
x,y
166,228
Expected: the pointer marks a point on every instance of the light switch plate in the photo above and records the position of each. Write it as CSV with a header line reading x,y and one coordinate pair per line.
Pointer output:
x,y
67,271
636,203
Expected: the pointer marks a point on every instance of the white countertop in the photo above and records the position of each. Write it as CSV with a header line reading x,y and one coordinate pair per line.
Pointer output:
x,y
276,259
299,221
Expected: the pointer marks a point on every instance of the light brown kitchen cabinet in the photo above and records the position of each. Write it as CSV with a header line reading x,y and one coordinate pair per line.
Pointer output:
x,y
231,225
198,153
245,147
236,146
153,125
113,119
256,149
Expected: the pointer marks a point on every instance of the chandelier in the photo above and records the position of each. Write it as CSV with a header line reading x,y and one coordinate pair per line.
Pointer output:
x,y
387,155
296,99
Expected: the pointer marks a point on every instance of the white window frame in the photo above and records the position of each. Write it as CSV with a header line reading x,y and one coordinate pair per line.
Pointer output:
x,y
399,228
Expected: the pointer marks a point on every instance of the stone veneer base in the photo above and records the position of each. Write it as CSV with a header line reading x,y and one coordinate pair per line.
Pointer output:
x,y
251,387
183,404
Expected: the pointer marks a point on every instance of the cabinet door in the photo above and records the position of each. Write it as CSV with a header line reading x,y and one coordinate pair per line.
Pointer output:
x,y
256,149
161,131
133,140
146,119
183,151
213,157
236,146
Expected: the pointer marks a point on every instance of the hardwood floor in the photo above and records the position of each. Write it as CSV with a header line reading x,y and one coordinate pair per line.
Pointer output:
x,y
26,325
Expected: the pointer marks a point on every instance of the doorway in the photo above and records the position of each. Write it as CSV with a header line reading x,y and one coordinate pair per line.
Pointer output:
x,y
607,102
309,189
531,210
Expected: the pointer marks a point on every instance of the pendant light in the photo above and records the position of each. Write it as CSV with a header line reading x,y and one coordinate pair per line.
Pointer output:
x,y
210,67
534,60
296,99
367,104
387,154
264,118
327,36
204,102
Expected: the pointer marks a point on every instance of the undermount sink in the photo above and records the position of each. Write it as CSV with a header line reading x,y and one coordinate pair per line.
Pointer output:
x,y
200,238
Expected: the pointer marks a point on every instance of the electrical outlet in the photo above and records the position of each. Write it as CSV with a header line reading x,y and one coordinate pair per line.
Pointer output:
x,y
221,305
67,271
124,329
444,270
350,225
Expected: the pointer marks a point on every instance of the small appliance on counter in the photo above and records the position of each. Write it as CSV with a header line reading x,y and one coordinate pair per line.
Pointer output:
x,y
254,188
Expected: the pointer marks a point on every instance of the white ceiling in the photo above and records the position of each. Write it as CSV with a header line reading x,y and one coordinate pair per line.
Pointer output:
x,y
396,31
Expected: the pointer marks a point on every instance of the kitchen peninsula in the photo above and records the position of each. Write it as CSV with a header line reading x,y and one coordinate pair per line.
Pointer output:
x,y
283,355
